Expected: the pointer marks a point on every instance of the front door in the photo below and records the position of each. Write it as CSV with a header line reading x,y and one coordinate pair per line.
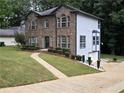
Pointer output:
x,y
47,42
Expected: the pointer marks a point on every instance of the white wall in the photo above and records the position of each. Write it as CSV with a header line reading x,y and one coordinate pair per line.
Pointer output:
x,y
9,41
85,26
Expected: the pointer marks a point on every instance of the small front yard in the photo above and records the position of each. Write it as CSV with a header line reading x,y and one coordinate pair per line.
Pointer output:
x,y
122,91
67,66
18,68
110,57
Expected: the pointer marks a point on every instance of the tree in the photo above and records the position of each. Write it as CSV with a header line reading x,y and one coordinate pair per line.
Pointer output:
x,y
20,38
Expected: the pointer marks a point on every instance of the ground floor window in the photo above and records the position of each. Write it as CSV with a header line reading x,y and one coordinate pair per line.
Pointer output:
x,y
33,41
63,41
82,42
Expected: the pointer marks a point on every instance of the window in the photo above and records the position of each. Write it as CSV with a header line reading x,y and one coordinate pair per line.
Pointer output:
x,y
33,41
33,25
68,21
46,24
82,42
63,42
99,24
95,40
64,20
58,23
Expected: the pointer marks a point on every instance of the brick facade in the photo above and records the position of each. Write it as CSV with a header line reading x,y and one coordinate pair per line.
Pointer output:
x,y
52,31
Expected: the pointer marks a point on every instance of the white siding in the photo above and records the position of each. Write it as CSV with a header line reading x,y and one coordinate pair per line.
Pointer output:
x,y
85,26
9,41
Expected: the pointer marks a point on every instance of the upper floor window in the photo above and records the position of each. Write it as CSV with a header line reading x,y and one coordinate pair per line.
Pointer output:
x,y
82,42
63,21
33,25
46,24
58,22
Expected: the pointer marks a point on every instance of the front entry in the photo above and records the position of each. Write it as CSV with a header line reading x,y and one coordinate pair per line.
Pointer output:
x,y
47,42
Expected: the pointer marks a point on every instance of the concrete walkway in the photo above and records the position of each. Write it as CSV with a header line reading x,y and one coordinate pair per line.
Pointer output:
x,y
111,81
52,69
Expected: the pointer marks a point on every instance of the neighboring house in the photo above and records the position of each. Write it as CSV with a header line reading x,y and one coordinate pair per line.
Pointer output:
x,y
8,35
65,27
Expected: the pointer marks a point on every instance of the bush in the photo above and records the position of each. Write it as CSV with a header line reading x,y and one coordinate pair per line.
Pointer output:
x,y
89,60
83,58
20,38
67,54
114,59
2,44
58,48
72,56
50,49
98,64
65,50
29,48
59,51
54,51
78,58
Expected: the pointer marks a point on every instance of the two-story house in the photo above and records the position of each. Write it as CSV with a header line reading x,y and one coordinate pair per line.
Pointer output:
x,y
65,27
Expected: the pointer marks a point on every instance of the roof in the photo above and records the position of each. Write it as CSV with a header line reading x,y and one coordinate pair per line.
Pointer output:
x,y
74,10
11,31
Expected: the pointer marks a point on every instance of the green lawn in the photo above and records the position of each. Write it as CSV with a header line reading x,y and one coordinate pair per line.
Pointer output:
x,y
67,66
110,57
18,68
122,91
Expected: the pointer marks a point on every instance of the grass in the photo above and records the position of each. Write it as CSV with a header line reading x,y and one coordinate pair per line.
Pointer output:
x,y
67,66
110,57
18,68
122,91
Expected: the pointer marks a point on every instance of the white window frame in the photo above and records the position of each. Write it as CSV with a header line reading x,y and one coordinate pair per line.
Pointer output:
x,y
64,21
82,41
33,41
58,22
46,23
96,40
63,43
33,25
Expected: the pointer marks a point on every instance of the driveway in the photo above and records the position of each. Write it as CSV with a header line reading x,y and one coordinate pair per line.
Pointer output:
x,y
111,81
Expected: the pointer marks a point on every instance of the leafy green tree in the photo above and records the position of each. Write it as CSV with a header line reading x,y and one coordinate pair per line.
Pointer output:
x,y
20,38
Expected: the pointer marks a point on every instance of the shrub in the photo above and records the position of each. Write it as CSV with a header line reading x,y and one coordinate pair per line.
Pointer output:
x,y
78,58
89,60
114,59
2,44
65,50
72,56
50,50
98,64
29,48
59,51
67,54
54,51
83,58
58,48
20,38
